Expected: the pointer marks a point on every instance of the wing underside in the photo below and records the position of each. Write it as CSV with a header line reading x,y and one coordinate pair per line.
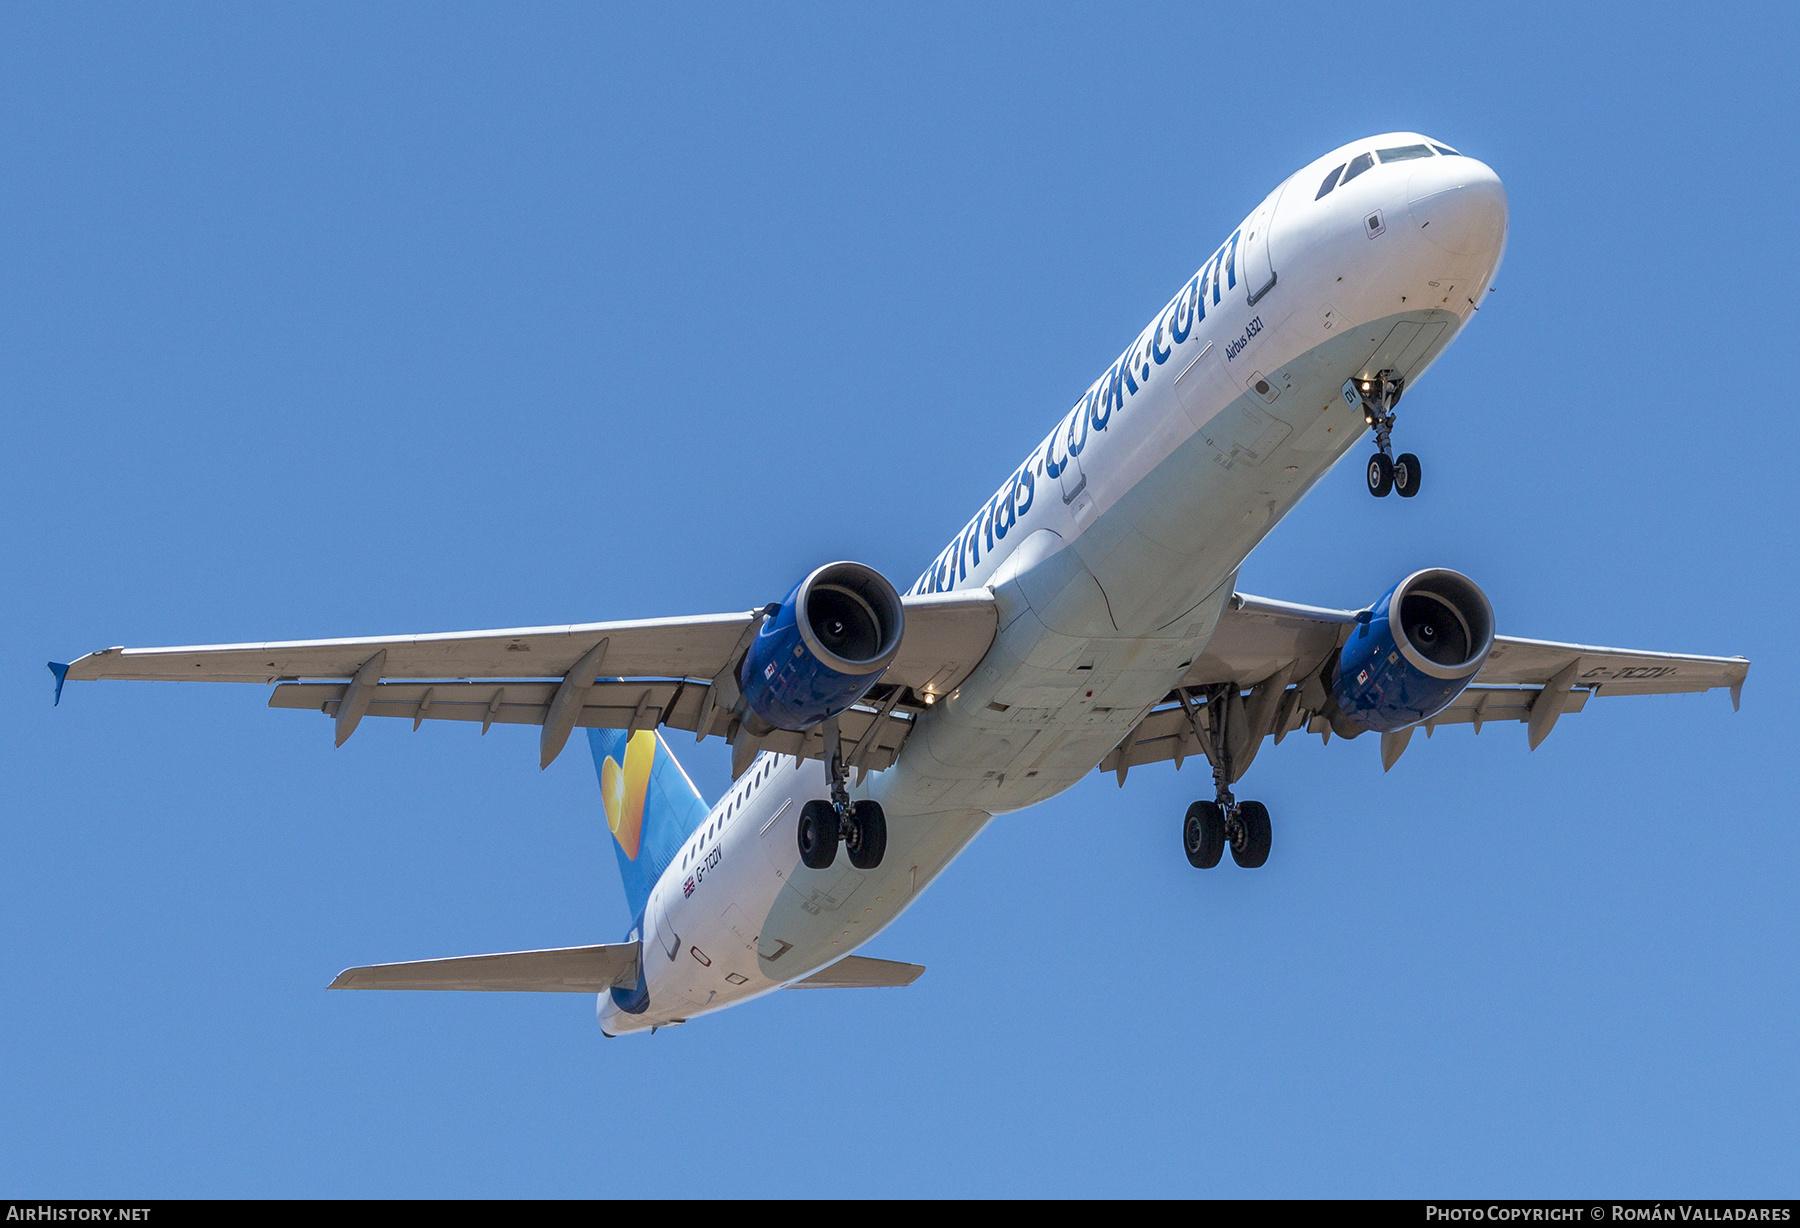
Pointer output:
x,y
1265,657
1261,676
676,672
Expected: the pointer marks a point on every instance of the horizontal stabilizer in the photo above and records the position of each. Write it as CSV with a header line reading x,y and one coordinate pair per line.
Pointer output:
x,y
560,970
860,972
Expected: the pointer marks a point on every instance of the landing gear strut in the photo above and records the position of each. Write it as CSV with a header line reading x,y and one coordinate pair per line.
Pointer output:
x,y
1386,471
1210,826
861,826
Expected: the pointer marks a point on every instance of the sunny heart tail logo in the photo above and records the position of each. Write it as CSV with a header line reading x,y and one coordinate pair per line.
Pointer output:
x,y
622,789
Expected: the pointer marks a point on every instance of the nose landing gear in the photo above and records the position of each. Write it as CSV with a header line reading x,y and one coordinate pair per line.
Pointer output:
x,y
860,826
1387,472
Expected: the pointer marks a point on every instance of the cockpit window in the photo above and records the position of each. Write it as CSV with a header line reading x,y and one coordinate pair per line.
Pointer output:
x,y
1330,182
1358,164
1445,150
1403,152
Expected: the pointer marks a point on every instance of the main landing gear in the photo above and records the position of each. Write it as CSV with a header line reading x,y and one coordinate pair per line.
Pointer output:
x,y
1210,826
860,826
1386,471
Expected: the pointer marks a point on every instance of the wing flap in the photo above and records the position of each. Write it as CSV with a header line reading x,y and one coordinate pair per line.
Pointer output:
x,y
1480,704
861,972
560,970
610,705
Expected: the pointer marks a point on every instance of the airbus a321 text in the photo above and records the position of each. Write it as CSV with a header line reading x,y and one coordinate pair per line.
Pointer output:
x,y
1085,616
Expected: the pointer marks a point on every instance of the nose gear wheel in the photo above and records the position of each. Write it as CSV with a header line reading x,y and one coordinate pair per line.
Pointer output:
x,y
1406,475
1381,474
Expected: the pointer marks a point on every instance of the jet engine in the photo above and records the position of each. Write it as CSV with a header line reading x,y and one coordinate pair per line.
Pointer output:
x,y
1414,652
822,648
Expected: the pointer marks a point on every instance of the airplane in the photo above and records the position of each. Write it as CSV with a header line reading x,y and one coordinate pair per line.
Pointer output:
x,y
1086,617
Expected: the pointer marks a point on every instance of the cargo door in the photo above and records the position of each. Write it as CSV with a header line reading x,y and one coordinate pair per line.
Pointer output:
x,y
1259,263
1238,429
663,934
1203,387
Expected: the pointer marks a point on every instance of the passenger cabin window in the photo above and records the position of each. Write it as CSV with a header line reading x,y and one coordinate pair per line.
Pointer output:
x,y
1330,182
1358,164
1402,153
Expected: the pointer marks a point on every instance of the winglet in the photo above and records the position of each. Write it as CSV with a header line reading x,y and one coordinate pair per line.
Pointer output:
x,y
1737,691
62,671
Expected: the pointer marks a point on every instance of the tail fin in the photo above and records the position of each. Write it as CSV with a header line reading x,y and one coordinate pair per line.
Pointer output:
x,y
651,805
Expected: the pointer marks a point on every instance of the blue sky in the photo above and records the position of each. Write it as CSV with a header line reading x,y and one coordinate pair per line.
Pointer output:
x,y
335,321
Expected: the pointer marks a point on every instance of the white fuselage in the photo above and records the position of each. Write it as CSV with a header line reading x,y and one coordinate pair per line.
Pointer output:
x,y
1111,551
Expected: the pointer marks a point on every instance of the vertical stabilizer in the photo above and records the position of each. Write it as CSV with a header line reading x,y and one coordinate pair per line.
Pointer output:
x,y
651,806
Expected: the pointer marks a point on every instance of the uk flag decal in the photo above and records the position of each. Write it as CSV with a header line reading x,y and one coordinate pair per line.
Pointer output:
x,y
687,888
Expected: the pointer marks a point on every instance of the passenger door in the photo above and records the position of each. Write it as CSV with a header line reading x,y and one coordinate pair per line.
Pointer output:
x,y
1074,479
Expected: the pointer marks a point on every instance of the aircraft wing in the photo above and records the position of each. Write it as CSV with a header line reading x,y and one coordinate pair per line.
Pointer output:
x,y
561,970
670,647
676,671
1277,651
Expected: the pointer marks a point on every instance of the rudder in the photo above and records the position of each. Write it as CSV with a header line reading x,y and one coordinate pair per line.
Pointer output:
x,y
651,806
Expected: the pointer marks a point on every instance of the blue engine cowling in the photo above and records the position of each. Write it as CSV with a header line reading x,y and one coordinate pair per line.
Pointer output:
x,y
1415,651
823,648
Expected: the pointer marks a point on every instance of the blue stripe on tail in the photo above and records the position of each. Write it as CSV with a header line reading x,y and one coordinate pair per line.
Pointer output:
x,y
650,804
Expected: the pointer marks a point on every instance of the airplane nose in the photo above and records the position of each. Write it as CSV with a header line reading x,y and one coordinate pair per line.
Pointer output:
x,y
1458,204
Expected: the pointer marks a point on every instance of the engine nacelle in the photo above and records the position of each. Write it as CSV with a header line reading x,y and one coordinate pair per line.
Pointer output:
x,y
821,651
1422,643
